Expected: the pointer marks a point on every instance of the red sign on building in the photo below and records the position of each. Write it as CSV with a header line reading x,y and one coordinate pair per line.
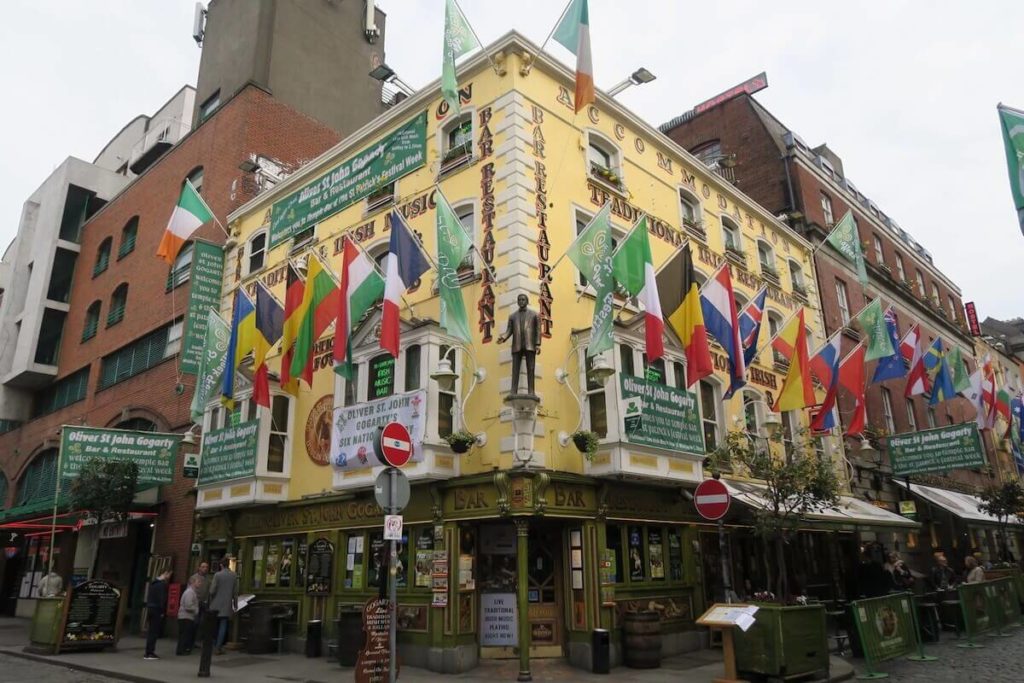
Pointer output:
x,y
972,319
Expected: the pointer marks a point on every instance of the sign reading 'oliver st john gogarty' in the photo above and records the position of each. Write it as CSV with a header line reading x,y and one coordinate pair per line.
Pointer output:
x,y
661,416
152,452
936,450
229,453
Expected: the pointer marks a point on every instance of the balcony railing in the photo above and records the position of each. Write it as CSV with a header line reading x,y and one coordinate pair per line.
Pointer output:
x,y
160,137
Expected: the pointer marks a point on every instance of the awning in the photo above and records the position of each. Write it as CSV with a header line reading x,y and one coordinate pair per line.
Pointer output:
x,y
963,505
850,511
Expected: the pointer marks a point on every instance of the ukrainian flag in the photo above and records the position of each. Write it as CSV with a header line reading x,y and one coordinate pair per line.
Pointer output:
x,y
242,341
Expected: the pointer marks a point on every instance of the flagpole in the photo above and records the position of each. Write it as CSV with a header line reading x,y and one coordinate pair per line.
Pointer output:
x,y
376,267
479,42
472,242
529,67
203,202
56,498
575,239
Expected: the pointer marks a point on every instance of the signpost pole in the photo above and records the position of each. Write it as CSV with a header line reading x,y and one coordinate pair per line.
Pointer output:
x,y
723,552
392,582
56,497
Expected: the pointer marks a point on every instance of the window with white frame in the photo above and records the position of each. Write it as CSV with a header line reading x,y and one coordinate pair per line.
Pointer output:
x,y
900,270
274,442
174,333
935,295
774,326
466,214
277,444
766,257
790,429
796,274
689,208
255,252
457,142
911,415
753,416
887,410
381,197
711,413
826,209
952,308
731,236
603,161
879,254
920,283
181,271
596,401
843,301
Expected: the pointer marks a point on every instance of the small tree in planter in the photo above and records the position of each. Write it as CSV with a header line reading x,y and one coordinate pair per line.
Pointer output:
x,y
1003,502
104,487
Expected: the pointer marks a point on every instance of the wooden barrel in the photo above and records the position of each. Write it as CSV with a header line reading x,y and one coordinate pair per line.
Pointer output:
x,y
641,639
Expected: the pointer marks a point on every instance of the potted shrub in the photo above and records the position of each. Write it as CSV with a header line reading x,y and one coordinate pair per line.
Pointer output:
x,y
789,637
1002,502
586,442
460,441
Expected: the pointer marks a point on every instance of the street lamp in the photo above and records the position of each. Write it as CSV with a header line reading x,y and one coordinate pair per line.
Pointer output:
x,y
446,377
599,373
385,74
638,77
190,437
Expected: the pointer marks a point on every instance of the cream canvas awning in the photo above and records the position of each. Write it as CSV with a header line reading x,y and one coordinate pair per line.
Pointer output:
x,y
849,512
963,505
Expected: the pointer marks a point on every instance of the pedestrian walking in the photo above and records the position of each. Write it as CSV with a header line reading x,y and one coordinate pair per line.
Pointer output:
x,y
202,575
156,606
188,614
224,599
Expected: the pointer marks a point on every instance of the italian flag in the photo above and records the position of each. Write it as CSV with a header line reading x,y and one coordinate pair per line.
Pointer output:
x,y
633,268
361,287
573,32
316,312
190,213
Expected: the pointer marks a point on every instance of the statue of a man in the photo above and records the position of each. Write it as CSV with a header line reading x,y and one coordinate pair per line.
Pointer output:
x,y
524,330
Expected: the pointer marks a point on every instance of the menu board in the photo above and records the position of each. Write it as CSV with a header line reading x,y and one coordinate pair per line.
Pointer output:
x,y
91,616
375,657
319,567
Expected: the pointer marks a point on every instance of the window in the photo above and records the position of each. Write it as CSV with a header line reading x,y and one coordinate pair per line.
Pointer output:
x,y
128,235
446,399
731,235
774,326
708,152
134,358
789,431
597,406
38,481
278,443
352,387
752,418
466,217
953,308
887,410
879,254
302,238
826,208
920,283
182,269
796,274
195,177
207,108
603,162
118,301
766,257
935,295
380,378
911,416
62,393
412,367
174,333
710,401
458,143
102,256
256,252
689,207
626,360
92,320
900,270
379,198
843,301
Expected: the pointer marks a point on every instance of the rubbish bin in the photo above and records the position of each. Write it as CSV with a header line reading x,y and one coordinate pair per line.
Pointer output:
x,y
314,636
261,629
600,651
350,636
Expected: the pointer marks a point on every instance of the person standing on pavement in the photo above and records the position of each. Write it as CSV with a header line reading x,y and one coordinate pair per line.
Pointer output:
x,y
156,606
224,599
188,612
202,575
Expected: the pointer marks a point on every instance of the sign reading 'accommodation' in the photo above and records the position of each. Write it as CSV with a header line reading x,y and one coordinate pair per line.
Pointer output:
x,y
152,452
229,453
936,450
662,416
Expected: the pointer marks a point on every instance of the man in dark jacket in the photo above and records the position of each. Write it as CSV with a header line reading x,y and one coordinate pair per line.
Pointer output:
x,y
156,608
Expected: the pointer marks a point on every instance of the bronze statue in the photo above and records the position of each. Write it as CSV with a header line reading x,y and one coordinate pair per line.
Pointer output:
x,y
524,329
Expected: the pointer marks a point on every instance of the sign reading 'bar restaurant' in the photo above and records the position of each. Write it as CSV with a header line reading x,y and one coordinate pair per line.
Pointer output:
x,y
152,452
936,450
392,157
229,453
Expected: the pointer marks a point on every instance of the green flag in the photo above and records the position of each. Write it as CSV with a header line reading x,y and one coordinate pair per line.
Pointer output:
x,y
458,40
846,240
591,252
452,245
872,321
211,364
955,361
1013,137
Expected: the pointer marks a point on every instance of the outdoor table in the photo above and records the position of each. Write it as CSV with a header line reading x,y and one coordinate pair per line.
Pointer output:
x,y
949,603
928,613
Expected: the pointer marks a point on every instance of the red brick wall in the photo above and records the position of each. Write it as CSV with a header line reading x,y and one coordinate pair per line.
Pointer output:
x,y
250,123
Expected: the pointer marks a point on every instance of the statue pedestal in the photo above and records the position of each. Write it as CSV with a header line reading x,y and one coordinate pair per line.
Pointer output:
x,y
524,421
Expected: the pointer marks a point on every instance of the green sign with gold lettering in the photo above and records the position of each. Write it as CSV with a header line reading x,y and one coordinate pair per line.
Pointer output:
x,y
936,450
658,415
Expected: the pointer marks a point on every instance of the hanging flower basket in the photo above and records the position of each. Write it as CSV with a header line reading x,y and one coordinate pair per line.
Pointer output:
x,y
460,442
586,442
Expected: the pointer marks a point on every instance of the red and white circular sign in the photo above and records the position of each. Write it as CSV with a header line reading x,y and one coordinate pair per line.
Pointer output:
x,y
395,444
712,499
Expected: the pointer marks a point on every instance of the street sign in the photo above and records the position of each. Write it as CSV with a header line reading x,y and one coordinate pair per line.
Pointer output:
x,y
191,466
394,445
382,490
393,527
711,499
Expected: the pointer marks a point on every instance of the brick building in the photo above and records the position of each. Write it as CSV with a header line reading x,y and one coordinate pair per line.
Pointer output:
x,y
809,188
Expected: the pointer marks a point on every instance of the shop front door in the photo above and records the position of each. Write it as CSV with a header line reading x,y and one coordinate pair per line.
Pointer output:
x,y
544,592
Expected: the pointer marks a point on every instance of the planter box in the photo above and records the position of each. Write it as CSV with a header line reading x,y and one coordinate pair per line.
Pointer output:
x,y
784,642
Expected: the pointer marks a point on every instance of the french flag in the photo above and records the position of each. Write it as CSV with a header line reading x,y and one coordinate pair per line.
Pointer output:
x,y
406,263
827,359
750,325
917,381
719,307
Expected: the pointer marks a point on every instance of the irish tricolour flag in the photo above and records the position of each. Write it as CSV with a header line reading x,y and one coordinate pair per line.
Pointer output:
x,y
361,287
573,31
190,213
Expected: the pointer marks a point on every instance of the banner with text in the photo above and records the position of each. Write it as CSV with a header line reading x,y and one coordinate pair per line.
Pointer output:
x,y
392,157
936,450
153,452
229,453
355,428
886,626
206,277
661,416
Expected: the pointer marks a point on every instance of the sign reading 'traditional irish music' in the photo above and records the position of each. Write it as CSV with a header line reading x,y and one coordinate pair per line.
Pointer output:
x,y
936,450
152,452
662,416
229,453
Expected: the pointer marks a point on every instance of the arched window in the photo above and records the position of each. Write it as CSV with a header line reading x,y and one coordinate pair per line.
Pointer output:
x,y
766,257
731,236
796,274
102,256
92,320
129,233
195,176
256,252
457,142
467,217
691,212
118,302
774,326
137,424
38,480
604,161
182,269
753,414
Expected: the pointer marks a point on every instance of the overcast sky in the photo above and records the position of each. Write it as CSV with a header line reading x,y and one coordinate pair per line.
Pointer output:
x,y
904,91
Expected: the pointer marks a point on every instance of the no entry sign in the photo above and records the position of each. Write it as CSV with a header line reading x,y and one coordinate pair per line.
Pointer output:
x,y
711,499
395,445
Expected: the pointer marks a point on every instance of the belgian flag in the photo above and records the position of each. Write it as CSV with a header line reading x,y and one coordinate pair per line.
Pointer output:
x,y
680,303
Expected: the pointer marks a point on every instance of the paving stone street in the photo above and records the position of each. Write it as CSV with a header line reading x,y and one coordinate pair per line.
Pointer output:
x,y
1001,660
17,670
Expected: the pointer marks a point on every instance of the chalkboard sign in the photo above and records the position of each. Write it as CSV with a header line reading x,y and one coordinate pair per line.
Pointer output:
x,y
375,657
92,614
382,377
319,567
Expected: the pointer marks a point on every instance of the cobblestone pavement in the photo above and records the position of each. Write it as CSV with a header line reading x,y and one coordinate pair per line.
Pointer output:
x,y
1000,661
17,670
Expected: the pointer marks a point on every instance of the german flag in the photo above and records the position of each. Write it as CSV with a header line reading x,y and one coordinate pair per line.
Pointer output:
x,y
292,316
680,302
